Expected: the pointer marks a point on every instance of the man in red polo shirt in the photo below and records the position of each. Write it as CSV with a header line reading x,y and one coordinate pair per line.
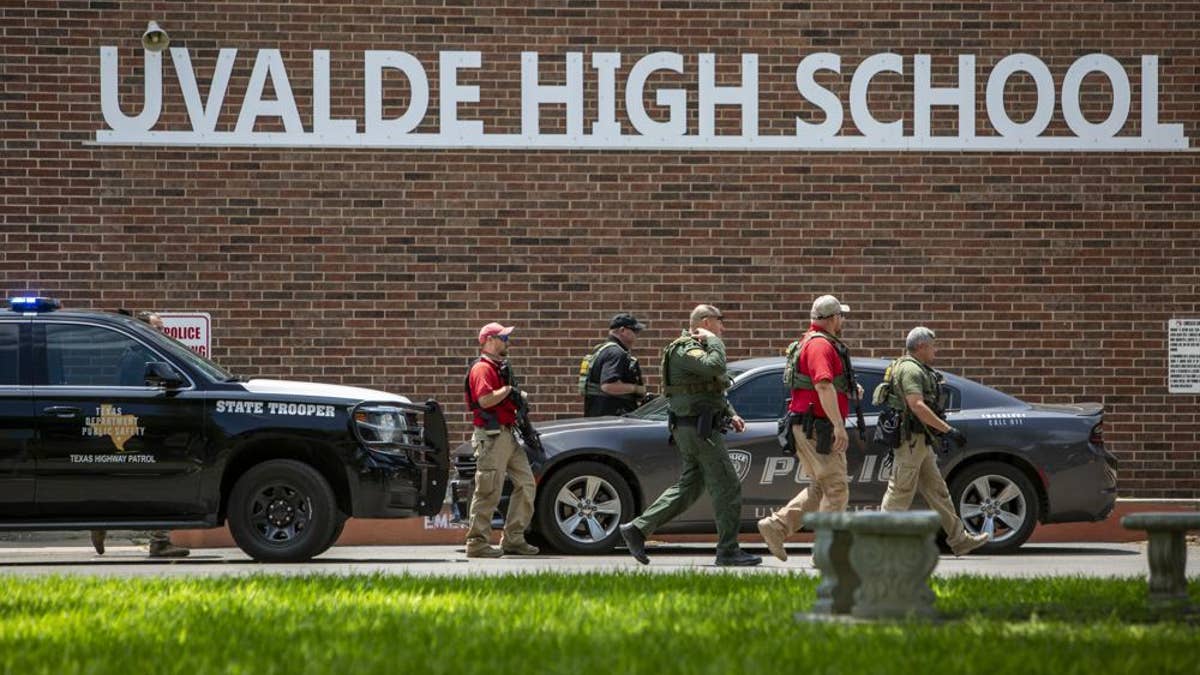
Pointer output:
x,y
497,453
821,386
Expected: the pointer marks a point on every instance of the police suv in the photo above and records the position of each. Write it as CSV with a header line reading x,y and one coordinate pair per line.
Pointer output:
x,y
106,423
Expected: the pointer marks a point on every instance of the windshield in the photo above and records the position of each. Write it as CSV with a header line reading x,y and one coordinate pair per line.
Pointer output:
x,y
656,410
182,352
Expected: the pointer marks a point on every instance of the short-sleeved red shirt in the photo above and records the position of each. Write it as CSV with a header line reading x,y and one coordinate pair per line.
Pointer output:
x,y
818,360
483,379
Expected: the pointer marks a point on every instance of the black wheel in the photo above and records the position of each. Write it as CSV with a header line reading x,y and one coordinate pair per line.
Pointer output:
x,y
580,507
282,511
998,498
337,532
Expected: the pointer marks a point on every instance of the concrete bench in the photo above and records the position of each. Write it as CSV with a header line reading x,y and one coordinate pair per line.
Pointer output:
x,y
831,555
875,565
1167,552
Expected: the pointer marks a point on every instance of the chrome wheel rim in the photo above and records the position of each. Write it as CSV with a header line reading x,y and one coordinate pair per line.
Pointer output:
x,y
587,509
995,505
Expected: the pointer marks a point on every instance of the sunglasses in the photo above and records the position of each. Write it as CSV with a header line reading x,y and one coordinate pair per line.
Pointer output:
x,y
502,338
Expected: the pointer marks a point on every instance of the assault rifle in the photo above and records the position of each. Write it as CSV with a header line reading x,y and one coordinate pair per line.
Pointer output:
x,y
524,428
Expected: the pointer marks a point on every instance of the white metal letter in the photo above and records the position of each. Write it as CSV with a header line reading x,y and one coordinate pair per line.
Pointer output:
x,y
453,93
1111,68
204,117
859,111
674,99
110,106
998,114
269,63
819,96
533,94
745,96
925,96
418,103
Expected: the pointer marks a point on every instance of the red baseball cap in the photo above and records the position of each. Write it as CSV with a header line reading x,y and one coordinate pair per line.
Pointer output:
x,y
493,329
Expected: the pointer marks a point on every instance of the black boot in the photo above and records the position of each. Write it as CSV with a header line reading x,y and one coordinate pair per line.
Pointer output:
x,y
738,558
635,541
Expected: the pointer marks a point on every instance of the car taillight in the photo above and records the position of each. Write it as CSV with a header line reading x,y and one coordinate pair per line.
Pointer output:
x,y
1097,435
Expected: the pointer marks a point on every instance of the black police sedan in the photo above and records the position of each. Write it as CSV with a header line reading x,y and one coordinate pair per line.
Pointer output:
x,y
1023,464
106,423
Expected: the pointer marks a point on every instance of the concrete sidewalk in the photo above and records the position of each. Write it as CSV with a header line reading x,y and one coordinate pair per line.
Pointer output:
x,y
1094,560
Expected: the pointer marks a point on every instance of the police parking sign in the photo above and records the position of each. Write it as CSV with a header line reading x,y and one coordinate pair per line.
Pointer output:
x,y
193,329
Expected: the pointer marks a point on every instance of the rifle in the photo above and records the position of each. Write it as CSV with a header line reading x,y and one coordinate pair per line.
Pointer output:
x,y
524,428
855,398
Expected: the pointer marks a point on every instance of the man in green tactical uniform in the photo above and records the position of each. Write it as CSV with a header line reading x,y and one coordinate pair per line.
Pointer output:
x,y
694,382
913,389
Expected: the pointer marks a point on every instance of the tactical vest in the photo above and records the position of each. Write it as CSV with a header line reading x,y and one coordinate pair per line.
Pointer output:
x,y
588,387
716,385
794,379
931,393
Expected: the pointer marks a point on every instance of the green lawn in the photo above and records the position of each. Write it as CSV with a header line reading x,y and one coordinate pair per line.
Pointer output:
x,y
593,624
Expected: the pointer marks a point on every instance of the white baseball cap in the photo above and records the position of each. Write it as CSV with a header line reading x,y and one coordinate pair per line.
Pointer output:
x,y
827,306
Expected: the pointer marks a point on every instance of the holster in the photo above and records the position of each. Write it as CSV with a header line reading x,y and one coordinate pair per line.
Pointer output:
x,y
491,423
824,434
807,420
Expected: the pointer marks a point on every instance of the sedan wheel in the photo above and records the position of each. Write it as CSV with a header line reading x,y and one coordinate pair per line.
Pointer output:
x,y
997,499
580,507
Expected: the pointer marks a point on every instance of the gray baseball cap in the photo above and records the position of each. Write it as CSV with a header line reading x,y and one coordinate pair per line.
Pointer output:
x,y
827,306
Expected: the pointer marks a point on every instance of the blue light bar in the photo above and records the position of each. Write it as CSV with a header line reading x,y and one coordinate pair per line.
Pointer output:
x,y
30,303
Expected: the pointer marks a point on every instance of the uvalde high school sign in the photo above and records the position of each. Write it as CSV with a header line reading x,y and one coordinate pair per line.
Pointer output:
x,y
641,131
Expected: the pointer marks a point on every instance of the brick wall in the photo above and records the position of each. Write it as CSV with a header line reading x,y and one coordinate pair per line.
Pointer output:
x,y
1048,275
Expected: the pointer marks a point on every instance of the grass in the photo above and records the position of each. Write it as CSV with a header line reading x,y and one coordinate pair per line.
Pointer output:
x,y
583,624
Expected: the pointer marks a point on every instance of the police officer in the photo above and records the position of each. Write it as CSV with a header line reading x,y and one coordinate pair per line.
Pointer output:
x,y
694,382
614,378
497,453
821,388
132,369
915,393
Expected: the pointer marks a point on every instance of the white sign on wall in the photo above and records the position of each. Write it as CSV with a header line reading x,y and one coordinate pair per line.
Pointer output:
x,y
1183,356
193,329
641,129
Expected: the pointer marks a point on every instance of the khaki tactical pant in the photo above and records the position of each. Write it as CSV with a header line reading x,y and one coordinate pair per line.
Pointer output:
x,y
495,457
829,489
706,466
915,470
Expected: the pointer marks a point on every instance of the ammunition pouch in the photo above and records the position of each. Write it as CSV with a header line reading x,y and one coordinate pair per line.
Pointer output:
x,y
704,424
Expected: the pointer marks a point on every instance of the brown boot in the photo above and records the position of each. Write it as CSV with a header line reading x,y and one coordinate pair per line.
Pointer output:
x,y
165,549
969,543
773,538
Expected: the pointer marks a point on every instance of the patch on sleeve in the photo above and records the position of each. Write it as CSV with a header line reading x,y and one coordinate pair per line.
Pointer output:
x,y
695,353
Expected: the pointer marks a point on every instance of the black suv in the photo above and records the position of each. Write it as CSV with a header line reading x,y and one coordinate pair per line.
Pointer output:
x,y
106,423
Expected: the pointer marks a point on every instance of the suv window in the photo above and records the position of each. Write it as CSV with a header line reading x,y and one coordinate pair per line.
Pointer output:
x,y
760,398
78,355
10,352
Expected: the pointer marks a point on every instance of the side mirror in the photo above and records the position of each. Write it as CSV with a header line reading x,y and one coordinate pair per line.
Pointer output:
x,y
163,375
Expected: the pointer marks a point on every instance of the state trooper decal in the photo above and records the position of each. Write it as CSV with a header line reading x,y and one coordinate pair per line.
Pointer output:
x,y
741,463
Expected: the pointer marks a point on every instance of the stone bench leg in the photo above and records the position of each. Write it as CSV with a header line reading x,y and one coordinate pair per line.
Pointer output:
x,y
893,554
1167,552
1168,564
831,555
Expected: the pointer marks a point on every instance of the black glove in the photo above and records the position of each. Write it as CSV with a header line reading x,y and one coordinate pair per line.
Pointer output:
x,y
957,436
